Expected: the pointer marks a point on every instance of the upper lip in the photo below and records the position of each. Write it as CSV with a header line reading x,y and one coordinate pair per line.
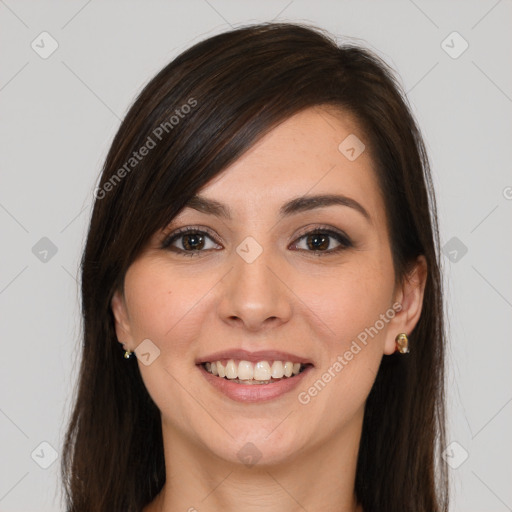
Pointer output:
x,y
253,357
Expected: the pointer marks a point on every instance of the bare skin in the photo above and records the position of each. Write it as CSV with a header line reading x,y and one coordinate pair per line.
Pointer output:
x,y
296,296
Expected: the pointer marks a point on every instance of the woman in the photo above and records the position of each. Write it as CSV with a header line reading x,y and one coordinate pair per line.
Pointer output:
x,y
263,318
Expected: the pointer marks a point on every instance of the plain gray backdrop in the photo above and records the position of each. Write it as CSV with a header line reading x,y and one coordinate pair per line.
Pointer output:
x,y
70,70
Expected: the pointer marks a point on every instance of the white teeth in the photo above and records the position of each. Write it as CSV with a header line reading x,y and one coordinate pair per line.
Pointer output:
x,y
260,372
277,370
245,370
231,370
288,369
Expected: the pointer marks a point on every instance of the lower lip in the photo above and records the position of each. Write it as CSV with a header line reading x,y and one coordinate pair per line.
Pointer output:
x,y
253,392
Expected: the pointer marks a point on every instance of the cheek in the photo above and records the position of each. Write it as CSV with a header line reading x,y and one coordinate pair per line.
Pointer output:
x,y
149,297
351,305
352,299
352,344
165,308
162,305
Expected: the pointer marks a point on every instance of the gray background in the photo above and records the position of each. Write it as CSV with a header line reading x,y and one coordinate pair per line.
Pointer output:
x,y
59,115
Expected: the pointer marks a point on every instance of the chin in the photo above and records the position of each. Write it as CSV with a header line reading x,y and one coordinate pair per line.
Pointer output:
x,y
258,442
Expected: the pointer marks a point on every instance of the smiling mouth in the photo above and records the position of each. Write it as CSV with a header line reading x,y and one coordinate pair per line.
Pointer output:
x,y
248,373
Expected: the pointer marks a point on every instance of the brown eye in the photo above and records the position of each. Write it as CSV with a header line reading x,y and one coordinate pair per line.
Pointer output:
x,y
321,241
193,241
189,241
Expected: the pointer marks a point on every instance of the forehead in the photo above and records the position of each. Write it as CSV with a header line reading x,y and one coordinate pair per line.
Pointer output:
x,y
309,153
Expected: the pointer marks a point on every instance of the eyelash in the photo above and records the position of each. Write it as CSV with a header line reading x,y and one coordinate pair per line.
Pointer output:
x,y
340,237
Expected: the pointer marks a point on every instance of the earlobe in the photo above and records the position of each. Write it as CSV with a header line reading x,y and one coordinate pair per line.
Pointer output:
x,y
122,324
410,296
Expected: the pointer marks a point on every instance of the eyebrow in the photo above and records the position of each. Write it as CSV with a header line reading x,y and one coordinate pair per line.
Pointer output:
x,y
296,205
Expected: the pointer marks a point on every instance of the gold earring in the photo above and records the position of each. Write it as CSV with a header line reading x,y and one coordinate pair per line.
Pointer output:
x,y
402,343
127,353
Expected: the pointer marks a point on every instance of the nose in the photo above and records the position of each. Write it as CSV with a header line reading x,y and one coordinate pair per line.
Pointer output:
x,y
255,295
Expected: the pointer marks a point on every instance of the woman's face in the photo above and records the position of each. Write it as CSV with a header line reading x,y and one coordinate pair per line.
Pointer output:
x,y
310,283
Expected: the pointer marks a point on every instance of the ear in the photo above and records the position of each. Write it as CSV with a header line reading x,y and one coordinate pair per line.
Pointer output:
x,y
409,294
122,323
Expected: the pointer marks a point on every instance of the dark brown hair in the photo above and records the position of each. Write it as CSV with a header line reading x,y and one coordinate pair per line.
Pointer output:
x,y
239,85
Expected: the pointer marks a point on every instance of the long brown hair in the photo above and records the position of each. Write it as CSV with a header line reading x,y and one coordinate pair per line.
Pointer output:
x,y
196,117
